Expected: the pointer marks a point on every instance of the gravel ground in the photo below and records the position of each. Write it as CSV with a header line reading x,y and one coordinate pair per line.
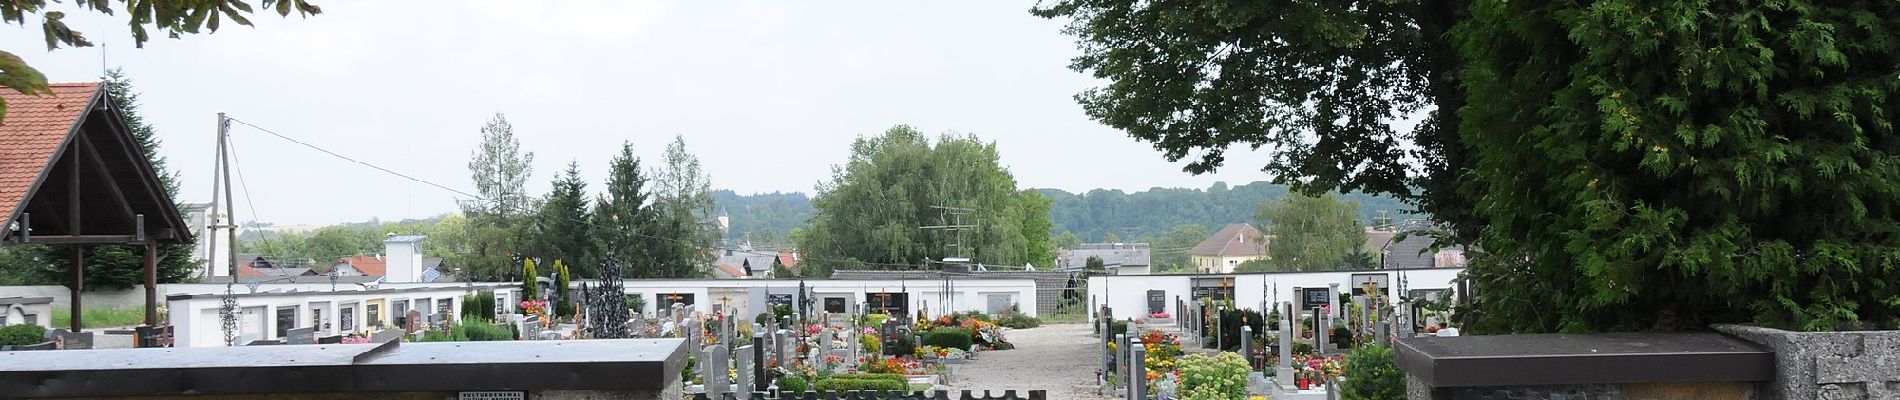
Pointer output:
x,y
1056,358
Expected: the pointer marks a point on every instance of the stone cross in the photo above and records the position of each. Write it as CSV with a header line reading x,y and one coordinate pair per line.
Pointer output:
x,y
1246,333
1138,375
715,371
745,366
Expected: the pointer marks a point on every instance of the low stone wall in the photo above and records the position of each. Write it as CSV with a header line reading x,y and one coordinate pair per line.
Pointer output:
x,y
1659,391
1828,365
1673,366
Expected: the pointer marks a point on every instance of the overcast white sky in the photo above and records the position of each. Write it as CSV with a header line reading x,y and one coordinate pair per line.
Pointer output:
x,y
768,94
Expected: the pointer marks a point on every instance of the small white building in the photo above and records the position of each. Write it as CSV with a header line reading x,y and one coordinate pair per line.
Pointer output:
x,y
268,315
1130,296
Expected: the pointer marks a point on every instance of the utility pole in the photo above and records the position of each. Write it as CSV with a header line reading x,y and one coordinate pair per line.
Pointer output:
x,y
228,310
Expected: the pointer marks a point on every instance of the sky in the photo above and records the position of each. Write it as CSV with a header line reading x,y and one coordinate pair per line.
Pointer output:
x,y
769,95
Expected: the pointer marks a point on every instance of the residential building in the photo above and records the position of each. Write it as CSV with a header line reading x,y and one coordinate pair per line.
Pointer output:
x,y
744,263
1412,251
1117,258
1226,249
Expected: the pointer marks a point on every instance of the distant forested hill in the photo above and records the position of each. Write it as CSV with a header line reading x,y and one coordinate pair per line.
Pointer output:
x,y
1095,214
1092,215
768,215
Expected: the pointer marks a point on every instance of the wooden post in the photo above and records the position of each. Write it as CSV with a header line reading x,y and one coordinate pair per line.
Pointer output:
x,y
151,283
79,284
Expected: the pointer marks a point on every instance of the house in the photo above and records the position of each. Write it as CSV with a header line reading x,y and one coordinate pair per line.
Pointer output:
x,y
260,267
1226,249
1412,251
402,262
1118,258
744,263
790,260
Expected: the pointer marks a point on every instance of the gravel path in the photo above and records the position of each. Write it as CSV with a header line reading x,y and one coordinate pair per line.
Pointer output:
x,y
1056,358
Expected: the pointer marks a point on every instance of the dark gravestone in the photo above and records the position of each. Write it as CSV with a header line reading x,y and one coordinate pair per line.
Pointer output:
x,y
386,335
334,339
263,343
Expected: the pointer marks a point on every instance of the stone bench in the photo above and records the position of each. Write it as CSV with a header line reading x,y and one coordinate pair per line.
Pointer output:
x,y
1595,366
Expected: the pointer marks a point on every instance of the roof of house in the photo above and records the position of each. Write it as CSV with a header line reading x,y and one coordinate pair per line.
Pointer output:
x,y
368,265
75,122
1234,240
1113,255
789,259
730,270
405,239
1412,251
291,279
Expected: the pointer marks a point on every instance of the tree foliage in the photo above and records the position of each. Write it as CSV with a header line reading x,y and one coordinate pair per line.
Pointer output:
x,y
1662,165
622,215
871,209
1311,233
497,222
174,18
1092,215
561,226
1618,165
683,209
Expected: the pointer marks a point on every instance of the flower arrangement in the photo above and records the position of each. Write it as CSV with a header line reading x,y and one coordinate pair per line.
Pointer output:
x,y
536,307
1221,376
355,340
1159,315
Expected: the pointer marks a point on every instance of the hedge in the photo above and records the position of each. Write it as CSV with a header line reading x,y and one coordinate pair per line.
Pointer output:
x,y
864,375
840,385
955,338
21,335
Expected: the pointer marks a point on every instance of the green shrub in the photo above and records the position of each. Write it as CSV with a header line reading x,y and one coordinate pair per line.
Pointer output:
x,y
1003,346
793,384
762,318
637,303
1218,377
1117,327
875,319
482,331
479,306
1018,321
1342,336
1302,348
840,385
21,335
955,338
904,346
1230,326
1371,374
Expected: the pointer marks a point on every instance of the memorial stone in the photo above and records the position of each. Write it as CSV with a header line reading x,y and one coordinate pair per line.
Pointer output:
x,y
760,378
300,336
1319,332
1246,353
824,342
1284,369
745,366
780,348
714,374
1138,378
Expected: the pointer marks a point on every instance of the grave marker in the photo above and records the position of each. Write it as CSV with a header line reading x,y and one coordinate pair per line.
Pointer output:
x,y
779,349
300,336
1246,333
1137,383
1284,370
760,378
714,373
744,366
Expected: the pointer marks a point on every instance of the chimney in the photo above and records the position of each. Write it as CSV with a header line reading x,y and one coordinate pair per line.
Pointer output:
x,y
404,263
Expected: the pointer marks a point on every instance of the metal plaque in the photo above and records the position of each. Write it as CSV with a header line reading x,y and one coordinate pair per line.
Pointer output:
x,y
492,395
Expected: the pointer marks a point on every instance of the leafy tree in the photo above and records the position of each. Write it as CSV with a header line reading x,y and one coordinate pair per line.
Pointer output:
x,y
496,221
1170,252
1092,215
621,215
1067,240
1256,266
174,18
562,224
781,272
684,207
1324,84
113,266
870,210
1372,374
764,212
1094,264
1311,233
1672,164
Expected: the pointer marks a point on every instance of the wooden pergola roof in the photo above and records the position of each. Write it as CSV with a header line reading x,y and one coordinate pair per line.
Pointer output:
x,y
72,173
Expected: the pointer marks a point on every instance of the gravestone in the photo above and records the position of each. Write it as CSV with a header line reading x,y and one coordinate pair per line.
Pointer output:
x,y
779,348
1138,377
300,336
714,373
824,343
384,336
1332,297
332,339
760,378
1283,371
744,365
412,321
1246,346
1319,332
1121,357
75,340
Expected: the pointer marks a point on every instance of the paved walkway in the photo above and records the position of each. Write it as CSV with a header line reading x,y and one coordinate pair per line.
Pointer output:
x,y
1058,358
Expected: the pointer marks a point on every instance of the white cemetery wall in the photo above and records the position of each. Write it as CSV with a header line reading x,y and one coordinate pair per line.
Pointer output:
x,y
198,321
135,297
1129,294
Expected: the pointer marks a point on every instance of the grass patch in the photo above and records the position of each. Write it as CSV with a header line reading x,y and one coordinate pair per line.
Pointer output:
x,y
919,387
100,317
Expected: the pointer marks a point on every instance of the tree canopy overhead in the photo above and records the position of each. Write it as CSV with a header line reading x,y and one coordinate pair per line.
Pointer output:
x,y
1617,165
873,209
1311,233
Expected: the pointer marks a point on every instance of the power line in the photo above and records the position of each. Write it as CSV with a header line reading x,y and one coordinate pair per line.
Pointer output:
x,y
585,222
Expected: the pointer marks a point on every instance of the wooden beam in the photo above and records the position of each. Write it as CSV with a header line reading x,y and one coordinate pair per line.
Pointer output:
x,y
112,184
151,284
73,199
85,239
136,156
79,284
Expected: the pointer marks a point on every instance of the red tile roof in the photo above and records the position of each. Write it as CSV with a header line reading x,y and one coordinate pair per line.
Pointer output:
x,y
1235,240
731,270
789,259
32,131
368,265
